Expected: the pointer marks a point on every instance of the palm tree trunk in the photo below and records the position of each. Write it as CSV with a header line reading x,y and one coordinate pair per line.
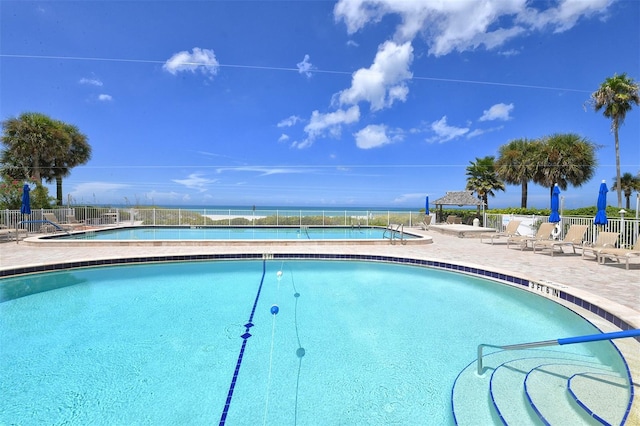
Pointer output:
x,y
525,193
35,175
59,190
618,183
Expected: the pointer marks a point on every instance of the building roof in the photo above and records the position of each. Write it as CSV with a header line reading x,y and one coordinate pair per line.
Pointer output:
x,y
458,198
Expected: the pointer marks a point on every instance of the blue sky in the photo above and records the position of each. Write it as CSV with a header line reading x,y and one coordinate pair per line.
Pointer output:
x,y
315,103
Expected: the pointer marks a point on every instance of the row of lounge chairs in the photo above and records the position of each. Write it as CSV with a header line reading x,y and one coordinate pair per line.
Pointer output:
x,y
602,249
49,224
70,225
11,234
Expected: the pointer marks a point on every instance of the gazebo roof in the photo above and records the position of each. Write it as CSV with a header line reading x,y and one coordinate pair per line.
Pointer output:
x,y
458,198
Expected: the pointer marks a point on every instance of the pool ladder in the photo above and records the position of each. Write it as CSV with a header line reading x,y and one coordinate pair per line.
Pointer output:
x,y
395,234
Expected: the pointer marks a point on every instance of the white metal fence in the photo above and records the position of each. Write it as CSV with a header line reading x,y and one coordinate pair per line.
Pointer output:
x,y
93,216
629,228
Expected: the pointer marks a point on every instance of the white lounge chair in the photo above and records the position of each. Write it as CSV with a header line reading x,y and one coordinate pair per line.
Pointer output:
x,y
544,233
605,240
11,233
573,239
619,254
53,221
510,230
72,221
424,225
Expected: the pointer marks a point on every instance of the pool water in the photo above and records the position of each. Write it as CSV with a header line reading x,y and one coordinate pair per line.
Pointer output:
x,y
199,342
236,233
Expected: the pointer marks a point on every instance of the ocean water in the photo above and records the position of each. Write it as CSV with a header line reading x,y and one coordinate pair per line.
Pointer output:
x,y
278,208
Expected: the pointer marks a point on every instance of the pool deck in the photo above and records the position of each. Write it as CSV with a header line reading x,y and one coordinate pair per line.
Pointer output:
x,y
610,286
606,283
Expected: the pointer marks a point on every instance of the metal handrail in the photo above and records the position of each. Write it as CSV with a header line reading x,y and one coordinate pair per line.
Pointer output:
x,y
392,236
564,341
55,225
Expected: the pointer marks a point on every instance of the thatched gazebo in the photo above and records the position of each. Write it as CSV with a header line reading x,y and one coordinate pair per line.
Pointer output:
x,y
456,198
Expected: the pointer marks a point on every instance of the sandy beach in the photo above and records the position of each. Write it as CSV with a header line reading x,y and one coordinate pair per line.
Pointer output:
x,y
230,217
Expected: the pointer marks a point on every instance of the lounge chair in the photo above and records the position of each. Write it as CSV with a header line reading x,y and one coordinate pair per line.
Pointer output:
x,y
573,239
605,240
6,233
71,220
620,253
11,233
510,230
454,220
53,221
544,233
424,225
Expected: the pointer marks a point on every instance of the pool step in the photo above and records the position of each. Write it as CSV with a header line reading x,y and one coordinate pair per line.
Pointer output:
x,y
587,390
507,387
610,397
515,389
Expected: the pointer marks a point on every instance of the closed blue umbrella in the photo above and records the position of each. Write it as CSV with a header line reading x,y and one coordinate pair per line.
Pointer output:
x,y
601,215
555,205
25,208
426,203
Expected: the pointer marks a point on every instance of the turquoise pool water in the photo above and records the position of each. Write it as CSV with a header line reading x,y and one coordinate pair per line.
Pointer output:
x,y
236,233
198,342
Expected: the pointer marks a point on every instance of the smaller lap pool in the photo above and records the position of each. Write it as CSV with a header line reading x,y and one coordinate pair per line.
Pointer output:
x,y
139,234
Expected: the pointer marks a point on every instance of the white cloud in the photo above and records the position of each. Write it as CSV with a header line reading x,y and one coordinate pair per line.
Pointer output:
x,y
497,112
375,135
444,132
564,16
266,171
352,43
462,25
89,192
305,66
201,59
510,52
283,138
290,121
91,82
330,123
384,82
105,98
195,181
403,198
478,132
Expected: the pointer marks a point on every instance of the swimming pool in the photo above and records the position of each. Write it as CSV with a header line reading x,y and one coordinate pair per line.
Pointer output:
x,y
198,342
171,235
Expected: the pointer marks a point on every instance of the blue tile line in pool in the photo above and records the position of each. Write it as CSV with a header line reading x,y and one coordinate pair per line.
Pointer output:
x,y
245,337
541,288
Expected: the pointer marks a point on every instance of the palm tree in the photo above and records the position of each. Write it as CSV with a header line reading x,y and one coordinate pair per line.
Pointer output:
x,y
40,148
32,140
483,179
78,152
628,184
517,165
565,158
616,96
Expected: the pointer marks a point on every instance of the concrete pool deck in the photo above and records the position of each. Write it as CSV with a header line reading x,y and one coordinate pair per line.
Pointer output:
x,y
609,282
609,286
